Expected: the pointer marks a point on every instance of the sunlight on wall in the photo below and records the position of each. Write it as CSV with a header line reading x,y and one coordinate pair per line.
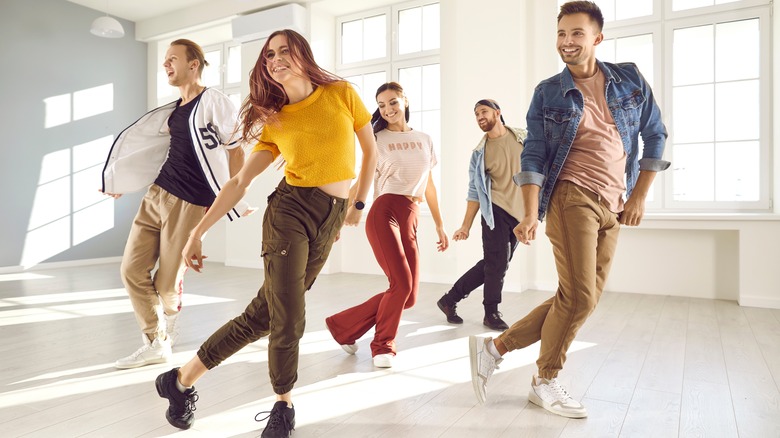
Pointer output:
x,y
57,110
78,105
68,209
93,101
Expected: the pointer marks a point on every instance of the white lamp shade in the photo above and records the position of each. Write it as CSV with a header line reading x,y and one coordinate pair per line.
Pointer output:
x,y
107,27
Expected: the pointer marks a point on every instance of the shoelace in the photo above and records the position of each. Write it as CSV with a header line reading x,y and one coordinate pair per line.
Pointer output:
x,y
189,402
274,421
558,390
141,350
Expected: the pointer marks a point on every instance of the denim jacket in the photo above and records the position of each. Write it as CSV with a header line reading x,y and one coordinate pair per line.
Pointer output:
x,y
479,180
555,114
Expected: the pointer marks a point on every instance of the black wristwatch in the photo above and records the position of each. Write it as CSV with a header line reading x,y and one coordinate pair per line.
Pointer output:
x,y
359,205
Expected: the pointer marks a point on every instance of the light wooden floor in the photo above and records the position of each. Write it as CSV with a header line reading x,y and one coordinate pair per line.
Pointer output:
x,y
645,366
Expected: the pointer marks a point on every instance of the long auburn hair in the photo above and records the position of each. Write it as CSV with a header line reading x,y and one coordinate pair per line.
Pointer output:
x,y
377,122
266,96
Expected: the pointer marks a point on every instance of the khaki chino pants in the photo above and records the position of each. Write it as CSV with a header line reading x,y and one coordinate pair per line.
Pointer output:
x,y
158,234
583,233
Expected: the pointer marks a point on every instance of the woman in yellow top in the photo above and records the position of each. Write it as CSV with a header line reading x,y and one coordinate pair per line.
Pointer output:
x,y
310,118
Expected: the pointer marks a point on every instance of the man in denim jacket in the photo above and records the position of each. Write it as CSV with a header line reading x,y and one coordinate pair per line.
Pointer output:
x,y
583,128
493,194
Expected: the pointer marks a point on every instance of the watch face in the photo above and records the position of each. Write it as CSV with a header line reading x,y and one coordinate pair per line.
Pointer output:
x,y
359,205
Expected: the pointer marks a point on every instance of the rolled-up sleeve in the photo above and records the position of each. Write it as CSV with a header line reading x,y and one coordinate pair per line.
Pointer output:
x,y
653,132
534,155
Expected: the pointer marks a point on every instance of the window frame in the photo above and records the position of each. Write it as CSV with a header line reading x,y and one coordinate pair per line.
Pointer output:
x,y
396,10
340,66
724,15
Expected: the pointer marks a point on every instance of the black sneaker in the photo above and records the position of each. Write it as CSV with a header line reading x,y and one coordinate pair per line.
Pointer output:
x,y
493,321
281,421
181,404
452,316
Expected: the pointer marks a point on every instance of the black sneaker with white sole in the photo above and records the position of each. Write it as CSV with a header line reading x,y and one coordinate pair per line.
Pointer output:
x,y
180,404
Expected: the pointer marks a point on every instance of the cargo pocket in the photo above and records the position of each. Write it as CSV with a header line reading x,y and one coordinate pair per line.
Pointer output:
x,y
276,260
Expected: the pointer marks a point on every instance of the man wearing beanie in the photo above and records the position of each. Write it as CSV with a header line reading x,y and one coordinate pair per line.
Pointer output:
x,y
493,194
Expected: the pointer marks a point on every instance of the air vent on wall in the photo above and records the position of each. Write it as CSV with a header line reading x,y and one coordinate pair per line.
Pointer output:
x,y
261,24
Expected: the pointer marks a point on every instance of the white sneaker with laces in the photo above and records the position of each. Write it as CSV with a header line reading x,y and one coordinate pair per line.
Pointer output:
x,y
171,329
157,351
550,395
383,361
483,364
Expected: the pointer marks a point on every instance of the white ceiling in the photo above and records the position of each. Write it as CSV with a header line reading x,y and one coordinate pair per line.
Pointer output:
x,y
140,10
137,10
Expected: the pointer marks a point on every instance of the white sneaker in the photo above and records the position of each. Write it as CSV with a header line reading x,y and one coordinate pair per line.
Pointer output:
x,y
383,361
157,351
482,365
171,329
550,395
350,348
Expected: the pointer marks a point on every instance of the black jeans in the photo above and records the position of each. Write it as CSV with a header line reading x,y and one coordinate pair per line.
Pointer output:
x,y
299,227
498,247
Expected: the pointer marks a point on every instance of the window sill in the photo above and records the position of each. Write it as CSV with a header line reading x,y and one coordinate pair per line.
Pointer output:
x,y
711,217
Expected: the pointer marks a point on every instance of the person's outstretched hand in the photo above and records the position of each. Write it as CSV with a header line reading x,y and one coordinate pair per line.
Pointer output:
x,y
193,254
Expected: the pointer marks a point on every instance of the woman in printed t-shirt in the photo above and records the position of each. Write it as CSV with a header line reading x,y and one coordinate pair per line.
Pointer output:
x,y
310,118
402,179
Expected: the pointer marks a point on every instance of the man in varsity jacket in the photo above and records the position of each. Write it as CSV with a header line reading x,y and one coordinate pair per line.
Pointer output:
x,y
183,151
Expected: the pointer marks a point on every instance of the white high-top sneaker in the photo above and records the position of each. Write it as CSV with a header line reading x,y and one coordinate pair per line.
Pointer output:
x,y
157,351
171,328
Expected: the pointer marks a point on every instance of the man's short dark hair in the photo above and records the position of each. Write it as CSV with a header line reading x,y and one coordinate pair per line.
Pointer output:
x,y
583,7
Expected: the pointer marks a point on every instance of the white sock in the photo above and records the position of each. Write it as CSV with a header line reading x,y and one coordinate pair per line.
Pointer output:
x,y
491,348
181,387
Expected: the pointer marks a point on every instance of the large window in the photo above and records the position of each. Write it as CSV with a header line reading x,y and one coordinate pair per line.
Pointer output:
x,y
398,43
708,64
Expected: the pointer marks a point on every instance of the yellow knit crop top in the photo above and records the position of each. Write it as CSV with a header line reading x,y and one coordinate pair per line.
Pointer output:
x,y
316,136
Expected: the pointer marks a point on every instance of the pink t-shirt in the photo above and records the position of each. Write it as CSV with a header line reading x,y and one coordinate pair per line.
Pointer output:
x,y
597,160
404,162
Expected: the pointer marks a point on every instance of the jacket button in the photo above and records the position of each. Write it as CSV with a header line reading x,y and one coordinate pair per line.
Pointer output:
x,y
284,252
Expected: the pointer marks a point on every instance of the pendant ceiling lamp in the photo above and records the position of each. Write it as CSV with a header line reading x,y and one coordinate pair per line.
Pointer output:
x,y
107,27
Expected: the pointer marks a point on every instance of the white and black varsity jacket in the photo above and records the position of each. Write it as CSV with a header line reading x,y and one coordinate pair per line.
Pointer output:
x,y
139,151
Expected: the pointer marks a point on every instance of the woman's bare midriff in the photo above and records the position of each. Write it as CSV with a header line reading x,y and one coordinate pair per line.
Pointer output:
x,y
339,189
